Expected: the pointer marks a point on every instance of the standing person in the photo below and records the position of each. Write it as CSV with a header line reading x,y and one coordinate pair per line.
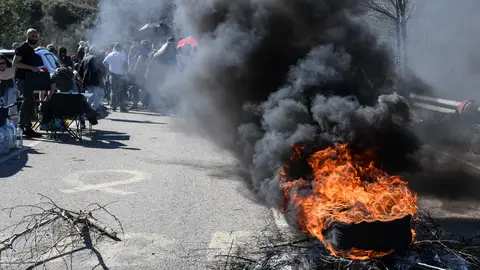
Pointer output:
x,y
108,85
63,58
138,72
163,62
185,50
8,90
153,50
51,48
117,62
133,53
92,72
15,45
25,61
81,51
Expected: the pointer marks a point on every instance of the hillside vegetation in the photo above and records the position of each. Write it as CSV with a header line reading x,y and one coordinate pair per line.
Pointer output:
x,y
61,22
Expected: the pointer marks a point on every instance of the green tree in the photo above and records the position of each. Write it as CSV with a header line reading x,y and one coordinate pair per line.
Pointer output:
x,y
14,18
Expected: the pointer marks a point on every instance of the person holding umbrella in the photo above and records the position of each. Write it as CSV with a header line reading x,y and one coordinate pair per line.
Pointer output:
x,y
185,49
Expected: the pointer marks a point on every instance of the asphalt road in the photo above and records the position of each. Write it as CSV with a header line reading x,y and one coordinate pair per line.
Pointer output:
x,y
175,195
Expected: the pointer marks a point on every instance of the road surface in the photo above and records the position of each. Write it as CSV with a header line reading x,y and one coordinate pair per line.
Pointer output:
x,y
176,195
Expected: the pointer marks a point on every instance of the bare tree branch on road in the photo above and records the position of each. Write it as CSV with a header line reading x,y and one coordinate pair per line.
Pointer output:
x,y
51,232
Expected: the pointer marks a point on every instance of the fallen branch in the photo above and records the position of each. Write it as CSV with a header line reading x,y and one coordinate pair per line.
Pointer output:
x,y
102,228
8,243
53,232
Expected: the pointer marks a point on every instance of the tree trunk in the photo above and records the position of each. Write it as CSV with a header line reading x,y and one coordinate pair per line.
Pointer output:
x,y
403,25
399,34
404,44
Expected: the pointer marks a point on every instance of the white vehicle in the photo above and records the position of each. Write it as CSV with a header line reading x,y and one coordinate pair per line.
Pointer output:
x,y
50,60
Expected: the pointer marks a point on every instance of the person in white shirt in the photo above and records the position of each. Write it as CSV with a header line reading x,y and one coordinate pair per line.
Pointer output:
x,y
117,62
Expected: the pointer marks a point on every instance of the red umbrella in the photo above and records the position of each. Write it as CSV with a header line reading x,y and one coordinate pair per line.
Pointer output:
x,y
187,41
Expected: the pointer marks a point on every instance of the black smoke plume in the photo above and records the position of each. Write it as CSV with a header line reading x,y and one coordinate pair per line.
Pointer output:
x,y
270,74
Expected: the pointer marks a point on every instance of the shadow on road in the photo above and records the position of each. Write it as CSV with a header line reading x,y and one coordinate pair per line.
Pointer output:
x,y
15,164
136,121
101,139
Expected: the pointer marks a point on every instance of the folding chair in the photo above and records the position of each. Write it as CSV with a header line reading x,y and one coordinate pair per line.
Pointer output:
x,y
67,109
36,116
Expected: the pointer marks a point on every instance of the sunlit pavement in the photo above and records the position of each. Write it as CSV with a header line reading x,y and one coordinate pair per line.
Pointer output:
x,y
175,195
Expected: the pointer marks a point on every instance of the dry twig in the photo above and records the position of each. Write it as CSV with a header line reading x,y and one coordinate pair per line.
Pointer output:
x,y
51,232
434,249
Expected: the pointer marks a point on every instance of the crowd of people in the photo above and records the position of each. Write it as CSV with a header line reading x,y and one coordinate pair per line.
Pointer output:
x,y
124,75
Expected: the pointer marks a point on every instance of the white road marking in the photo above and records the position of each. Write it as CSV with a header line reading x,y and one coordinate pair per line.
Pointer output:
x,y
19,151
287,232
280,220
79,185
225,243
136,249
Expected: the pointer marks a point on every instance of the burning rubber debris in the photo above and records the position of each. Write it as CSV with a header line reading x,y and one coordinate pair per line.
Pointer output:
x,y
269,75
355,209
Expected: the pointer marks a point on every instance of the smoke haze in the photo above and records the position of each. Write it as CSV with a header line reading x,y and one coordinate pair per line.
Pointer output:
x,y
272,73
120,20
443,47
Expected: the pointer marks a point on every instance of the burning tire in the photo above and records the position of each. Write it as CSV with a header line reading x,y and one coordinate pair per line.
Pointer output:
x,y
357,210
381,237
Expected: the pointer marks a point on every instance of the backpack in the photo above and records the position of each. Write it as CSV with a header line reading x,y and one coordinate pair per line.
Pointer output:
x,y
64,80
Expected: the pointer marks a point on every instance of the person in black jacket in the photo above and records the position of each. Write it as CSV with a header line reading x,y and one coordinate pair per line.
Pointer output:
x,y
92,72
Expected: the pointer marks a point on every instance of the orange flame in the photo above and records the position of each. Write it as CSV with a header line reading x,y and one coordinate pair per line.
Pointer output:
x,y
346,191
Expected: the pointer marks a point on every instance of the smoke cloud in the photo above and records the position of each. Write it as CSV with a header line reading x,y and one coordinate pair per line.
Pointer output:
x,y
270,74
